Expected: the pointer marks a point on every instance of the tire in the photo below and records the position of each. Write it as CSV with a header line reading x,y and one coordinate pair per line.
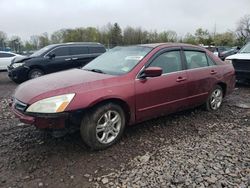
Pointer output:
x,y
35,73
214,99
103,126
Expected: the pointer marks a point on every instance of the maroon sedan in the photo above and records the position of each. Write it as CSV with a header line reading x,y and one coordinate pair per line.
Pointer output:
x,y
122,87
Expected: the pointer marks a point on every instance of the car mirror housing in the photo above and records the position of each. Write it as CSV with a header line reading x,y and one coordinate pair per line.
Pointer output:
x,y
151,72
51,56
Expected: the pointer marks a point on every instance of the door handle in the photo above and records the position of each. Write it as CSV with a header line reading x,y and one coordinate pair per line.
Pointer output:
x,y
180,79
68,59
74,58
213,72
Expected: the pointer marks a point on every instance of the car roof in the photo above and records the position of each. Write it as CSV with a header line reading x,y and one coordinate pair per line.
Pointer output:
x,y
79,43
170,44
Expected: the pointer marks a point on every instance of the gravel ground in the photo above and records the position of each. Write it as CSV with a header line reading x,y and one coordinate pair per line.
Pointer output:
x,y
194,148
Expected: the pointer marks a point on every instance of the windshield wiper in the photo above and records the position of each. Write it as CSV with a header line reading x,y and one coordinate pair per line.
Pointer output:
x,y
95,70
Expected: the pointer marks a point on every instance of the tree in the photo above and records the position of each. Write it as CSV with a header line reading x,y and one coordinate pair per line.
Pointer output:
x,y
203,36
57,36
3,38
243,30
15,43
116,35
190,39
225,39
34,41
168,36
43,40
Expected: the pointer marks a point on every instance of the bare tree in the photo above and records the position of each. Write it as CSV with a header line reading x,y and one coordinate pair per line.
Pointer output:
x,y
243,29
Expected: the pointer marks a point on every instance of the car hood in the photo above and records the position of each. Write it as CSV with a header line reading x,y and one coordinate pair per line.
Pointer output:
x,y
239,56
20,59
64,82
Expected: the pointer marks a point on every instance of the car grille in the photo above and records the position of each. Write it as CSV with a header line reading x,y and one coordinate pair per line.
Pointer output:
x,y
243,65
18,105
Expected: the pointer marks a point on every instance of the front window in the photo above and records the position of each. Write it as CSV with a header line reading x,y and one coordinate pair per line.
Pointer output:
x,y
41,51
245,49
168,61
119,60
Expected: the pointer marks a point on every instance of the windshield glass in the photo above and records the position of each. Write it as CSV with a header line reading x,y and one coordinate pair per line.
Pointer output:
x,y
245,49
119,60
41,51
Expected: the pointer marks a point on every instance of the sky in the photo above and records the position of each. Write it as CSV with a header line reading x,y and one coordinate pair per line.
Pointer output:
x,y
33,17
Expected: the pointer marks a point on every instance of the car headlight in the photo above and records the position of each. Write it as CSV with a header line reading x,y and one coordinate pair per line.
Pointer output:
x,y
15,65
51,105
228,61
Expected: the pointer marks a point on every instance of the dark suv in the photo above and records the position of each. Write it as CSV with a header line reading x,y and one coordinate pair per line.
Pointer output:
x,y
53,58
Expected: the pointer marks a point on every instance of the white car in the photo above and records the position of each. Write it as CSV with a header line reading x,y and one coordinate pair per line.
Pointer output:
x,y
241,63
6,58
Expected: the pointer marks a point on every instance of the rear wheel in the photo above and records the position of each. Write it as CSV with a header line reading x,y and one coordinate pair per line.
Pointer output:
x,y
215,98
35,73
103,126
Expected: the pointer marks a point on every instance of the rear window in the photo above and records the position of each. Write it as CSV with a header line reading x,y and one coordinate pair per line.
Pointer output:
x,y
94,50
78,50
3,55
196,59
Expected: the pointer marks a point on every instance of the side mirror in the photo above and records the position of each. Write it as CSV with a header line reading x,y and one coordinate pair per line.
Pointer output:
x,y
51,56
151,72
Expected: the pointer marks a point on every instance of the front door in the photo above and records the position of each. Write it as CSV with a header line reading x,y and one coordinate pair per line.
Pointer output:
x,y
164,94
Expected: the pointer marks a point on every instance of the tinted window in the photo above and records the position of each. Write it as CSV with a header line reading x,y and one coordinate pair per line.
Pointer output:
x,y
169,62
77,50
196,59
93,50
61,51
6,55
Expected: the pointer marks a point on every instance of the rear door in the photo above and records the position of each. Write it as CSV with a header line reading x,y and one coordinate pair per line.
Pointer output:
x,y
166,93
79,55
202,74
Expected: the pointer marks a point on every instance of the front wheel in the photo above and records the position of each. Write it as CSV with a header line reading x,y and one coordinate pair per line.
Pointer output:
x,y
103,126
215,98
35,73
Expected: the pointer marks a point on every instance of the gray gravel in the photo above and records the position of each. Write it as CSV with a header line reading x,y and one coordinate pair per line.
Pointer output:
x,y
194,148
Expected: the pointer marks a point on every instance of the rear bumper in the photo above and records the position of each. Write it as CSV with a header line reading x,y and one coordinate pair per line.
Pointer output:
x,y
55,121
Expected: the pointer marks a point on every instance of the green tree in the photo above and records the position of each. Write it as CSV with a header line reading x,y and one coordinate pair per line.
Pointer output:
x,y
116,35
225,39
190,39
203,36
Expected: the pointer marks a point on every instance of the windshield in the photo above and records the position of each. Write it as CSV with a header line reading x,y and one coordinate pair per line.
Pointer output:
x,y
245,49
41,51
119,60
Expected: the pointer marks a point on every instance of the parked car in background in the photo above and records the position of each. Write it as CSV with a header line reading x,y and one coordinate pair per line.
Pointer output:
x,y
6,58
229,52
241,63
124,86
53,58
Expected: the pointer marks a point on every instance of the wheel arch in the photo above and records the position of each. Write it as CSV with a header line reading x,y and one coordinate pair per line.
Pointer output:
x,y
224,87
124,105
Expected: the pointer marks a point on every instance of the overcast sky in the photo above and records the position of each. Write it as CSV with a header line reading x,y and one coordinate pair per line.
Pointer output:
x,y
30,17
